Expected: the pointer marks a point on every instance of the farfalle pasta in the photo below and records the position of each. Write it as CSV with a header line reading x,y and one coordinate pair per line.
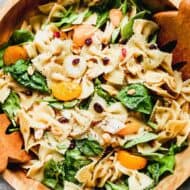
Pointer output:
x,y
98,104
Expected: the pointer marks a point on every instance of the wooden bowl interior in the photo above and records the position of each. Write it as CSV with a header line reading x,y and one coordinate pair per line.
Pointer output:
x,y
12,15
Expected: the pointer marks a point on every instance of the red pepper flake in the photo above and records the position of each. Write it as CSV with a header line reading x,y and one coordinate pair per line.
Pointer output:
x,y
56,35
124,52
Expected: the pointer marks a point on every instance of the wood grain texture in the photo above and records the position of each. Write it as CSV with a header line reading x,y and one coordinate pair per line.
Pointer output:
x,y
12,14
175,26
19,181
162,4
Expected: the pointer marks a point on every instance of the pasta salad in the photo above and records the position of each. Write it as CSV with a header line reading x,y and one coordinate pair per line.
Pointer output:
x,y
98,104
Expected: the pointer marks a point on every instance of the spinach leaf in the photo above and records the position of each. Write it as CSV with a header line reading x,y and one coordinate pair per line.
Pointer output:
x,y
19,72
136,97
84,104
2,51
67,20
161,166
145,137
124,6
1,57
54,103
105,5
21,36
74,160
102,19
102,93
112,186
71,17
127,25
89,147
11,106
152,124
115,35
174,148
54,174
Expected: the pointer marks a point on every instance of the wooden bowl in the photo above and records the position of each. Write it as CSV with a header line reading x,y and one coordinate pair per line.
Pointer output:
x,y
11,16
13,13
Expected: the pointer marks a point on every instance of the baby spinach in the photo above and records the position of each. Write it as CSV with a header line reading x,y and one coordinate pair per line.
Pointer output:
x,y
11,106
20,36
113,186
84,104
54,103
89,147
115,35
136,97
70,17
102,19
2,51
127,25
19,72
161,166
145,137
74,160
55,173
102,93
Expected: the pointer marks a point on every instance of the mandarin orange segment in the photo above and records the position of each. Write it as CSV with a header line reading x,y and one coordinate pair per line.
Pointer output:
x,y
66,91
13,54
131,161
132,126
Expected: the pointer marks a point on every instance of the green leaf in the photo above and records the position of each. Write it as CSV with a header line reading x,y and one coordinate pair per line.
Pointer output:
x,y
174,148
145,137
84,104
11,106
89,147
102,19
54,103
104,5
136,97
50,182
2,51
161,166
115,35
54,174
19,72
74,160
124,6
127,25
102,93
71,104
152,125
1,57
112,186
12,128
21,36
71,17
67,20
